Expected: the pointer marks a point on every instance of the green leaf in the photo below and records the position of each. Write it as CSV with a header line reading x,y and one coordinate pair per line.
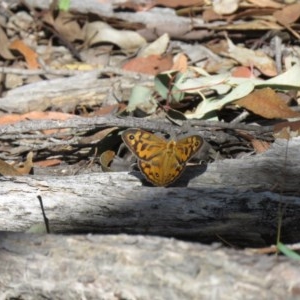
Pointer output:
x,y
286,81
141,98
288,252
64,5
166,84
207,106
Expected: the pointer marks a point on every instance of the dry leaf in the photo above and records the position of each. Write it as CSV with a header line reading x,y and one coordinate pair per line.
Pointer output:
x,y
225,7
48,163
268,104
9,170
29,55
287,130
180,63
68,27
288,15
152,64
158,47
4,46
176,3
249,57
260,146
243,72
26,167
105,160
266,3
99,32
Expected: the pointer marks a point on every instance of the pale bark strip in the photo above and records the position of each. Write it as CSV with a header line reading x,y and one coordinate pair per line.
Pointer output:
x,y
135,267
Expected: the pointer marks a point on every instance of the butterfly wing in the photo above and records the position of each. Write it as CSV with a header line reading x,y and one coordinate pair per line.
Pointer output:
x,y
161,175
187,147
144,145
161,161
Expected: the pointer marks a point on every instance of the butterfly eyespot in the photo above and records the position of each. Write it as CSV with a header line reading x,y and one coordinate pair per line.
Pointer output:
x,y
131,137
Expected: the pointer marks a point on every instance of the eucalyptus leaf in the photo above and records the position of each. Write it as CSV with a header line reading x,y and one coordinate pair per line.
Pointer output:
x,y
288,252
141,97
209,105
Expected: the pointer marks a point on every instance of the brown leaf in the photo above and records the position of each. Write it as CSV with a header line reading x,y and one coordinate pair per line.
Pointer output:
x,y
4,46
287,130
176,3
68,27
27,165
8,170
105,160
260,146
152,64
288,14
266,103
29,55
180,63
48,163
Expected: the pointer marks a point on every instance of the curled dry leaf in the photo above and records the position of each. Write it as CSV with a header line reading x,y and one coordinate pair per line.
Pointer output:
x,y
158,47
266,103
9,170
106,159
248,57
26,167
99,32
29,55
225,7
287,130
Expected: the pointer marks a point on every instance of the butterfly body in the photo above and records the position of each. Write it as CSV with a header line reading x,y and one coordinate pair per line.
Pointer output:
x,y
161,161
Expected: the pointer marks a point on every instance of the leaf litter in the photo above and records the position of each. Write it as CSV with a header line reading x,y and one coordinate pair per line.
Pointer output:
x,y
190,60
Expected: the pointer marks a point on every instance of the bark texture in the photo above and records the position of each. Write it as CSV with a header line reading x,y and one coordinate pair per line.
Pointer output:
x,y
240,200
135,267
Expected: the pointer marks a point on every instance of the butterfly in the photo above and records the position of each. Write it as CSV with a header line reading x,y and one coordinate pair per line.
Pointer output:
x,y
161,161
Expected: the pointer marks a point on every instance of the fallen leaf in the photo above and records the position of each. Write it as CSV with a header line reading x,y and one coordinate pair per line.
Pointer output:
x,y
266,3
241,71
176,3
68,27
30,56
288,15
260,146
266,103
8,170
105,160
287,130
152,64
225,7
4,46
48,163
34,115
158,47
26,167
180,63
249,57
99,32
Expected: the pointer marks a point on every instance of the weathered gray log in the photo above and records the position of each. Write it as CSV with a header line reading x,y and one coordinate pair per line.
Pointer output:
x,y
236,199
134,267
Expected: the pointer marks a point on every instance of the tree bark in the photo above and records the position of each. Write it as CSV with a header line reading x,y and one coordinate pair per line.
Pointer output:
x,y
135,267
239,200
